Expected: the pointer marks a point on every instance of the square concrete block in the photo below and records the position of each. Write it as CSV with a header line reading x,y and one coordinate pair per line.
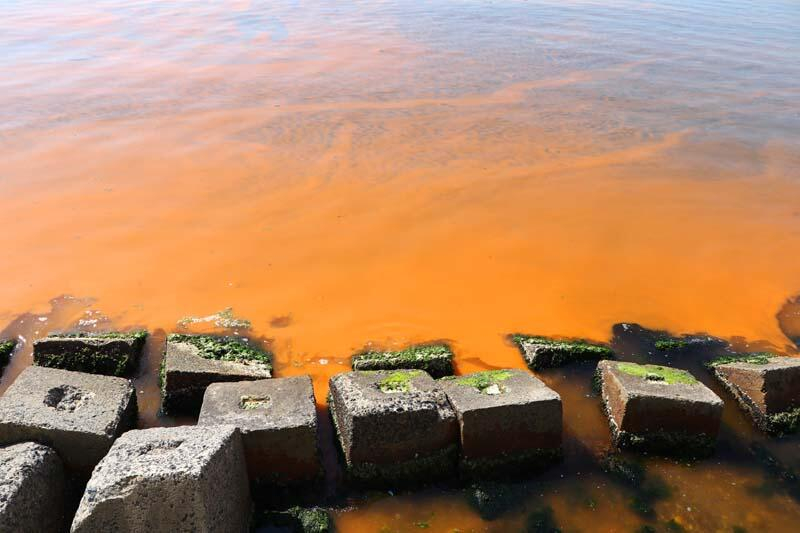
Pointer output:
x,y
110,354
79,415
278,421
659,409
509,420
193,362
31,489
179,479
766,386
541,352
394,427
435,359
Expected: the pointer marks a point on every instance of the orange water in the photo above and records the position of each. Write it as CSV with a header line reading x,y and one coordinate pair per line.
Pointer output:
x,y
389,172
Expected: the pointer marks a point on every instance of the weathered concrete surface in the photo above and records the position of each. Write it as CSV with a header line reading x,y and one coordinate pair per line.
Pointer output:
x,y
769,391
509,420
278,421
186,373
393,427
110,354
541,352
31,489
79,415
180,479
435,359
659,416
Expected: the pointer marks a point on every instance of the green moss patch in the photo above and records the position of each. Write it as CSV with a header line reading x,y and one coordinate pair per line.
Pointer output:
x,y
482,381
784,423
6,349
756,358
399,381
541,352
300,520
133,336
234,349
435,359
665,374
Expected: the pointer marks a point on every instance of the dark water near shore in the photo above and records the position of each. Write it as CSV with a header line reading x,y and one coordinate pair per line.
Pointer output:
x,y
344,173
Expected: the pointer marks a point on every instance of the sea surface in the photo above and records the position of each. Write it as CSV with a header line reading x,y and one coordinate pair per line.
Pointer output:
x,y
344,174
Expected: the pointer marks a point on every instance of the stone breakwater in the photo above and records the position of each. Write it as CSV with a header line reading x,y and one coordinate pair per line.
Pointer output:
x,y
67,426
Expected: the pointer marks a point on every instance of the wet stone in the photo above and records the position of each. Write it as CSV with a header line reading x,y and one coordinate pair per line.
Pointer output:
x,y
394,427
541,352
767,387
193,362
31,489
510,421
180,479
278,421
110,354
6,349
435,359
659,409
77,414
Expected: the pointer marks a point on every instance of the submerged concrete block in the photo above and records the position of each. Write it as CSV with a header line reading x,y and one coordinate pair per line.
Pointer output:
x,y
510,421
278,421
193,362
435,359
541,352
659,409
110,354
180,479
766,386
394,427
79,415
31,489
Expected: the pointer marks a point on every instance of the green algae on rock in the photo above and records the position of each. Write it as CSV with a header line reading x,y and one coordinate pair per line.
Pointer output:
x,y
755,358
398,381
542,352
299,520
487,382
192,362
658,373
6,349
435,359
112,353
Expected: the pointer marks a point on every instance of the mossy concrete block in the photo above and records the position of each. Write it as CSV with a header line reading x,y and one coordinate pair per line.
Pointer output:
x,y
659,409
278,421
394,427
435,359
110,354
180,479
6,349
541,352
509,420
768,389
79,415
31,489
193,362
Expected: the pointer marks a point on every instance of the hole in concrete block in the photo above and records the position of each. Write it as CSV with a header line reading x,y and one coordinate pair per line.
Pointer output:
x,y
67,398
161,447
254,402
